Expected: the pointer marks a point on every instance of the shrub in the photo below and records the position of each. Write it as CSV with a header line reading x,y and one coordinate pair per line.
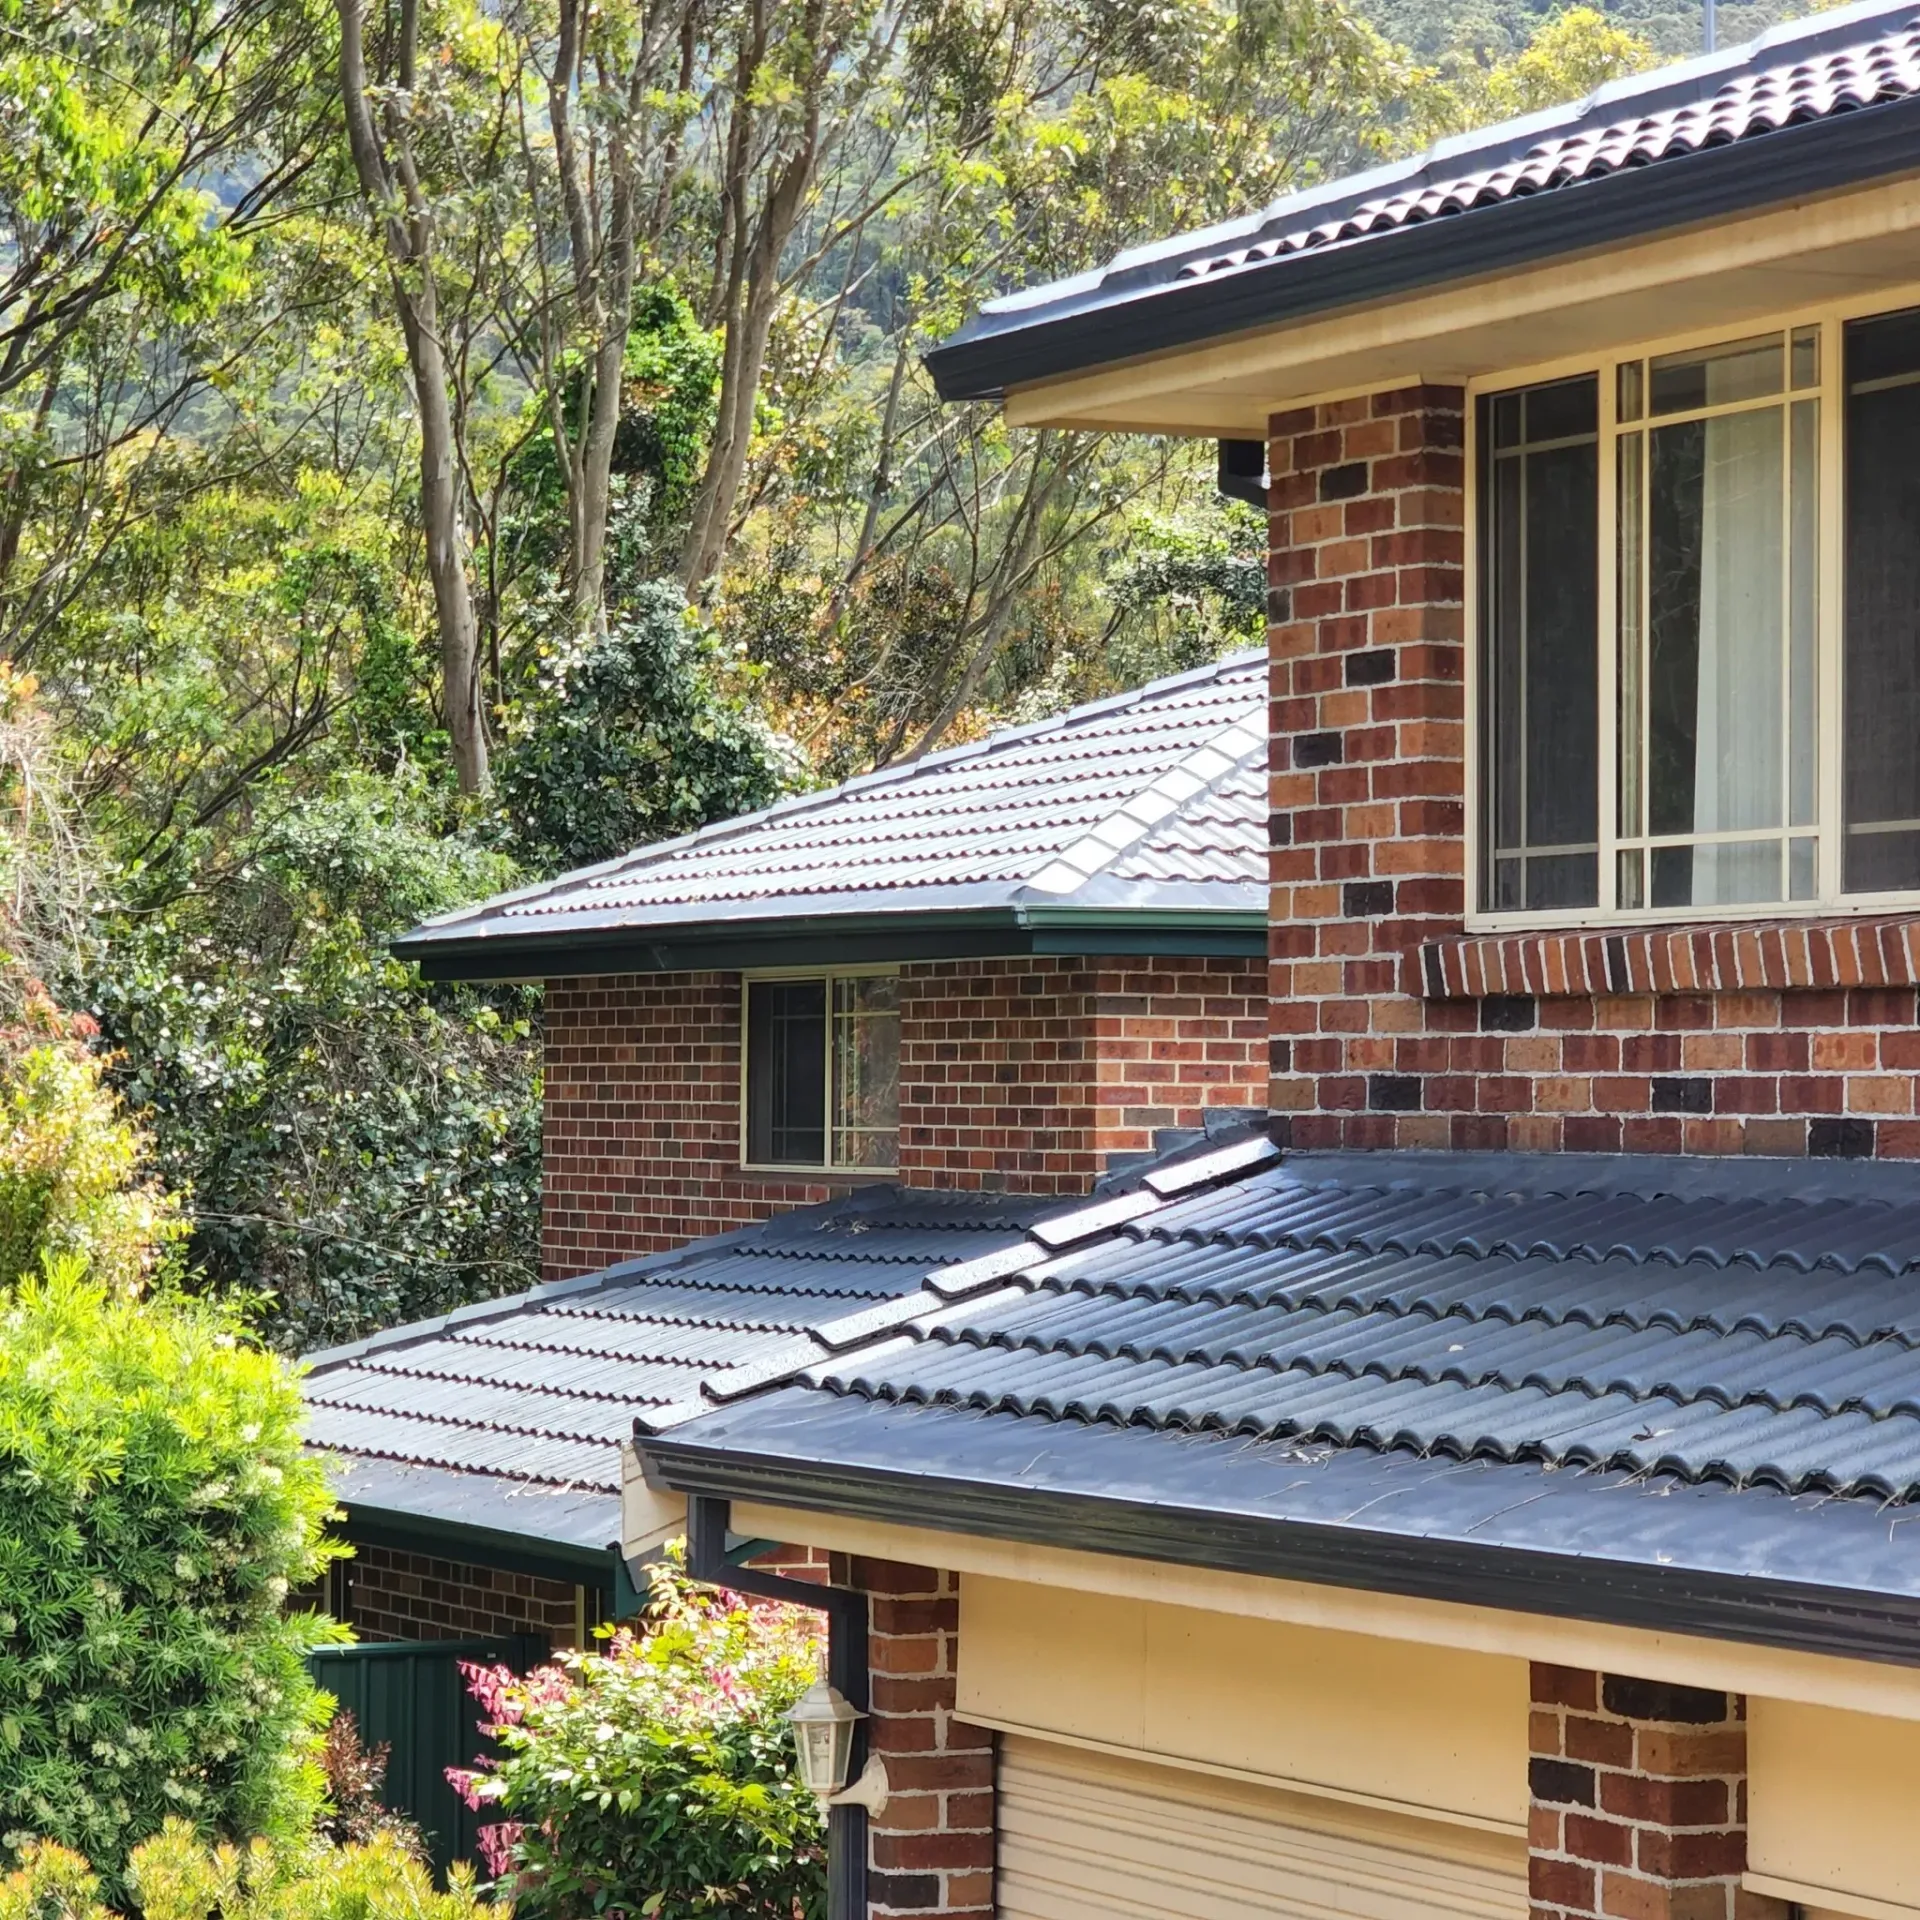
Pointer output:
x,y
70,1179
155,1509
176,1876
630,736
657,1778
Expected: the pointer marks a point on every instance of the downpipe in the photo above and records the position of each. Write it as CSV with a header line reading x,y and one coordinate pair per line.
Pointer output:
x,y
709,1561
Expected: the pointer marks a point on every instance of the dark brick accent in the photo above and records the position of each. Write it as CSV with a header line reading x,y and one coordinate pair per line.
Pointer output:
x,y
1393,1092
1363,899
905,1892
1840,1139
1279,604
1344,483
1561,1783
1316,749
1509,1013
1662,1700
1279,829
1674,1094
1373,668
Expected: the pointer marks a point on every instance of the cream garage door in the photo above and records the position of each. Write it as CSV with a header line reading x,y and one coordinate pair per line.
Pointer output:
x,y
1088,1837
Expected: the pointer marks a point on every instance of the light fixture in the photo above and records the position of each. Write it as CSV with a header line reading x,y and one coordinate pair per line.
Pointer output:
x,y
823,1736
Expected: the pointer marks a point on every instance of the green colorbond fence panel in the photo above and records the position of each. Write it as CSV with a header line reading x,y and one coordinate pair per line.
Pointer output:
x,y
411,1696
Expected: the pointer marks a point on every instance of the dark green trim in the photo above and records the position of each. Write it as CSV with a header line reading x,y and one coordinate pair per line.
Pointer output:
x,y
598,1567
845,940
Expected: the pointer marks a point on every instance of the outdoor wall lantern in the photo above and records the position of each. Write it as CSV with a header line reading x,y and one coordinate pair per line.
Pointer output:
x,y
823,1734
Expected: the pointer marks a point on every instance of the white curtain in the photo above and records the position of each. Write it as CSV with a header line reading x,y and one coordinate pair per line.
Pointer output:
x,y
1738,758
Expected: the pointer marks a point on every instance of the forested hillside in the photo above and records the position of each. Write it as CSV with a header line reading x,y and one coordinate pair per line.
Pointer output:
x,y
444,441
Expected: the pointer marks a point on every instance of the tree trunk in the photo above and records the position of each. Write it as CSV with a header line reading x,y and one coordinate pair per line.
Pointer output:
x,y
393,197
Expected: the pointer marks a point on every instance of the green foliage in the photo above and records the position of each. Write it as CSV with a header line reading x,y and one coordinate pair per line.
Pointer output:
x,y
658,1778
629,737
156,1508
672,392
360,1147
177,1876
71,1180
1567,56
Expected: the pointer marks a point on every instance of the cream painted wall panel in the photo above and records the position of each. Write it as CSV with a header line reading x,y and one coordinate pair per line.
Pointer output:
x,y
1391,1723
1832,1800
1084,1837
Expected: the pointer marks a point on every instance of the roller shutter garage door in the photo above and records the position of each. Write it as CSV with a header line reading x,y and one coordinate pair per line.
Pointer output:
x,y
1088,1837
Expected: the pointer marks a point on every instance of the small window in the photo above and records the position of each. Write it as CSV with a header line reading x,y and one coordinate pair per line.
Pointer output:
x,y
823,1072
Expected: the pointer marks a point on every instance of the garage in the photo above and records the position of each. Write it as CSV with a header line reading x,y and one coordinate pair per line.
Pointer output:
x,y
1091,1836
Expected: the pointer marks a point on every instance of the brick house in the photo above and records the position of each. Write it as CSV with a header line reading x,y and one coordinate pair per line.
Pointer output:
x,y
1482,1490
791,1063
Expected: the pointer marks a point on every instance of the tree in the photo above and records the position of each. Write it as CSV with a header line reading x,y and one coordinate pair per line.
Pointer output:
x,y
630,739
389,170
1568,55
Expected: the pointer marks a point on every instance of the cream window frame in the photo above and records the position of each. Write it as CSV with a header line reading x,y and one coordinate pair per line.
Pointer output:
x,y
1828,903
828,1166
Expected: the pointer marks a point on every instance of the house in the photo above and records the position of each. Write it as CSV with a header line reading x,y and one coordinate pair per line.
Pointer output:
x,y
793,1062
1487,1490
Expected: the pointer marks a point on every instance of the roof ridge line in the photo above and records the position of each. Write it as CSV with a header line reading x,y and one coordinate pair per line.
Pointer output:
x,y
1152,806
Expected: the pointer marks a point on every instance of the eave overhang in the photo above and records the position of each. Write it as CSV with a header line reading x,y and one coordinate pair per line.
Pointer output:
x,y
1112,325
1806,1574
872,937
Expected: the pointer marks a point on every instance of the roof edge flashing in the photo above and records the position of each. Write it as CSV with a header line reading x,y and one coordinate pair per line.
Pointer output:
x,y
1756,1608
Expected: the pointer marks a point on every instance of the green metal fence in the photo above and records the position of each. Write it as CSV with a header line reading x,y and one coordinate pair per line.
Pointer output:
x,y
411,1696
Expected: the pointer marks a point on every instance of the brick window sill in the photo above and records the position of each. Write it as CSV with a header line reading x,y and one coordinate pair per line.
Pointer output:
x,y
1780,956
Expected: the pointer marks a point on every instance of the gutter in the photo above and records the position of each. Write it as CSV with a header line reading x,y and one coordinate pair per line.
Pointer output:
x,y
841,940
709,1559
1110,327
1752,1607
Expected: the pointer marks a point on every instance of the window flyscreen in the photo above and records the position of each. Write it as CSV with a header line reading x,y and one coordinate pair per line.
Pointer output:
x,y
1540,479
787,1073
1880,654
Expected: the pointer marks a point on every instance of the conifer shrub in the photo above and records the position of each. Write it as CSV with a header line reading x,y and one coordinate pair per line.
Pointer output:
x,y
156,1509
178,1876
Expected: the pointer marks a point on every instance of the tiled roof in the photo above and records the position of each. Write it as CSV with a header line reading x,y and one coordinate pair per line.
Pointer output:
x,y
1581,1314
1422,1343
1806,72
1152,799
1759,97
498,1401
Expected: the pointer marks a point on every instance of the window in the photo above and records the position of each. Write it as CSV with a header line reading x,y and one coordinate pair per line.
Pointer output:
x,y
823,1071
1678,713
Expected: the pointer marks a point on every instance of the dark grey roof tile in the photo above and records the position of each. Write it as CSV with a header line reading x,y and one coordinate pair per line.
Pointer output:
x,y
1152,798
545,1387
1758,1326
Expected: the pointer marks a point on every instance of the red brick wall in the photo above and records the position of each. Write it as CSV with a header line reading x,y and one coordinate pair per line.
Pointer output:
x,y
641,1147
932,1851
1026,1075
1017,1075
1389,1027
415,1596
1639,1801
